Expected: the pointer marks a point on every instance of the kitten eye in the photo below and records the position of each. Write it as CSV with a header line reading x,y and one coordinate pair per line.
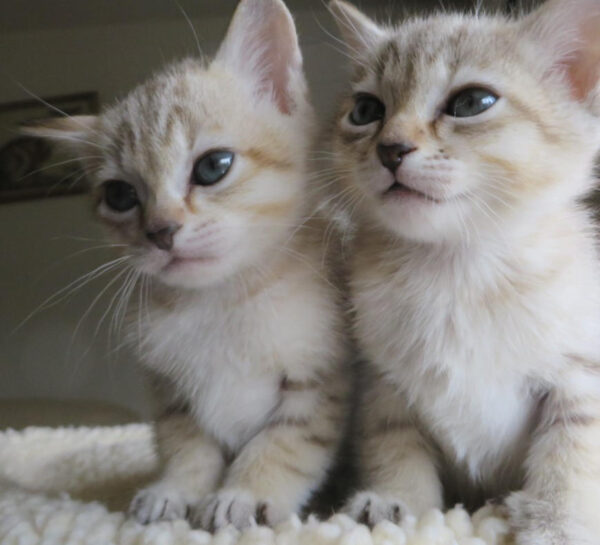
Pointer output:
x,y
367,109
120,196
470,102
212,167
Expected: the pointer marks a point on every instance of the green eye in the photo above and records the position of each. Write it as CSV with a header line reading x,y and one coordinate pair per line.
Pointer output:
x,y
212,167
120,196
367,109
470,102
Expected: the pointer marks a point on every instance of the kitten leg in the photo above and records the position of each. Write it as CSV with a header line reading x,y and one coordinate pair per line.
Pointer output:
x,y
397,465
193,464
560,499
276,472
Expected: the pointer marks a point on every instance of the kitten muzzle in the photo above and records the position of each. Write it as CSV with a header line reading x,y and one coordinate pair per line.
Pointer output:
x,y
399,189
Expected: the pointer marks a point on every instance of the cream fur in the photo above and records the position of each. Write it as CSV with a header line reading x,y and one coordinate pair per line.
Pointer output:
x,y
478,309
239,320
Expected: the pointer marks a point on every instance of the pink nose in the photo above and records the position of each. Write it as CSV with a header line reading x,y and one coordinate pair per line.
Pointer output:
x,y
162,237
392,155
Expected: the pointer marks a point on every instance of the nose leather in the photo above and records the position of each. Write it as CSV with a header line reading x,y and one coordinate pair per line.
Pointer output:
x,y
392,155
162,237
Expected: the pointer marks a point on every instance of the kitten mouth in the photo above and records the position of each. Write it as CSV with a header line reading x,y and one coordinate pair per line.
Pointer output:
x,y
398,189
177,262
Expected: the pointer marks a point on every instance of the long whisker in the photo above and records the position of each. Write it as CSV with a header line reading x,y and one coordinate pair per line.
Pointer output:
x,y
73,287
77,180
110,304
80,140
348,51
191,25
296,255
78,174
51,106
60,163
120,318
75,254
91,307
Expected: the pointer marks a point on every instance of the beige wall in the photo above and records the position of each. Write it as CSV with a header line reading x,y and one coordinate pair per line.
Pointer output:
x,y
45,358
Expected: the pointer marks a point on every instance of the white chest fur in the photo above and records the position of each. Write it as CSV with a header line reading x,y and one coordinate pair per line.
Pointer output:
x,y
227,358
472,348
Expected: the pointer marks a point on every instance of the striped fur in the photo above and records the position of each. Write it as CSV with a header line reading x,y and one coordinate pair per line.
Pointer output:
x,y
244,329
478,308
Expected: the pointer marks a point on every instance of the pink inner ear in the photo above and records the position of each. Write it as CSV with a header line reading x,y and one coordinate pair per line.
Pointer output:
x,y
278,57
261,44
583,75
584,67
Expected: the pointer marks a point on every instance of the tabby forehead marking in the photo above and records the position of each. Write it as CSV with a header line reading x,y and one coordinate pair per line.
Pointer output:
x,y
266,160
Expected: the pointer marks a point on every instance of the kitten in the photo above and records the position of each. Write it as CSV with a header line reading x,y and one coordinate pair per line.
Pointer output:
x,y
204,176
475,278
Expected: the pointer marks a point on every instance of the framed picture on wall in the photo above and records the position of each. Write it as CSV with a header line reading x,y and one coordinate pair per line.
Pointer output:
x,y
32,168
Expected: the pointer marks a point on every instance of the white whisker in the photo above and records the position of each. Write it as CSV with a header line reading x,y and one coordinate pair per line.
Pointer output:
x,y
74,286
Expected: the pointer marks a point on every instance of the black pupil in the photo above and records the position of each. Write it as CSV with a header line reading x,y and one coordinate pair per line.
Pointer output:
x,y
366,110
471,102
212,167
120,196
468,102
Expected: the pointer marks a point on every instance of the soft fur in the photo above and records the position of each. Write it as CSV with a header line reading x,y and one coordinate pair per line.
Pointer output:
x,y
238,321
477,301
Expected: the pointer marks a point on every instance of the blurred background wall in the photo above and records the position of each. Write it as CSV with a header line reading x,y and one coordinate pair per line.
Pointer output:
x,y
58,47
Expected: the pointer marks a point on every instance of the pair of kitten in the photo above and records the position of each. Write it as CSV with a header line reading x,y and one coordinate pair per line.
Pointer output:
x,y
464,148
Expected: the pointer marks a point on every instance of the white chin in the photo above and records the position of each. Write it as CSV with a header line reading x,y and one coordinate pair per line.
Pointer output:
x,y
194,273
421,220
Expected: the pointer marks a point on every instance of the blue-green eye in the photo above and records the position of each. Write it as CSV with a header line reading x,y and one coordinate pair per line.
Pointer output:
x,y
470,102
120,196
367,109
212,167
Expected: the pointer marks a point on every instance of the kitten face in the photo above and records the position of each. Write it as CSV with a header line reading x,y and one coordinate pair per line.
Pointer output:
x,y
456,124
224,174
200,171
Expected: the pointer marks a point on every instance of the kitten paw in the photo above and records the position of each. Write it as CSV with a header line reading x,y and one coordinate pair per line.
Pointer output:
x,y
370,508
158,502
234,506
534,521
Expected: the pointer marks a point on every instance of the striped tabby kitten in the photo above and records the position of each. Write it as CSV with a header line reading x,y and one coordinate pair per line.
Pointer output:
x,y
203,176
469,141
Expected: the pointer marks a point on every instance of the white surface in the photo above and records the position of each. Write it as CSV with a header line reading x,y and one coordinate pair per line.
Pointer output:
x,y
40,465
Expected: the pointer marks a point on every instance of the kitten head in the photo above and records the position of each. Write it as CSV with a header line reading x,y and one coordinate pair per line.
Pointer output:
x,y
468,123
200,171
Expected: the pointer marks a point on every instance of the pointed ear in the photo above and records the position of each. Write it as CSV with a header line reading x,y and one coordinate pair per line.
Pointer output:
x,y
70,132
570,32
261,43
359,32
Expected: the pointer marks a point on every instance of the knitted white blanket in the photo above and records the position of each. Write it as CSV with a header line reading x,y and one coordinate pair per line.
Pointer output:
x,y
68,486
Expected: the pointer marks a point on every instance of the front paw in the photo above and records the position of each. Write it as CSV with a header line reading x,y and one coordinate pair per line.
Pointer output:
x,y
159,501
370,508
534,521
234,506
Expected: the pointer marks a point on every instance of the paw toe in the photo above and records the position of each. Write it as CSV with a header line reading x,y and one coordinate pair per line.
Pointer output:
x,y
153,504
236,507
370,509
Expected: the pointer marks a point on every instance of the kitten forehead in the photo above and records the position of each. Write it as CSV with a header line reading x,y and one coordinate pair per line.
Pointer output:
x,y
161,114
449,41
157,126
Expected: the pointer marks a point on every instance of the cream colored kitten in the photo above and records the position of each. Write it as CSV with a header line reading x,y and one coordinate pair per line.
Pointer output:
x,y
475,274
203,175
